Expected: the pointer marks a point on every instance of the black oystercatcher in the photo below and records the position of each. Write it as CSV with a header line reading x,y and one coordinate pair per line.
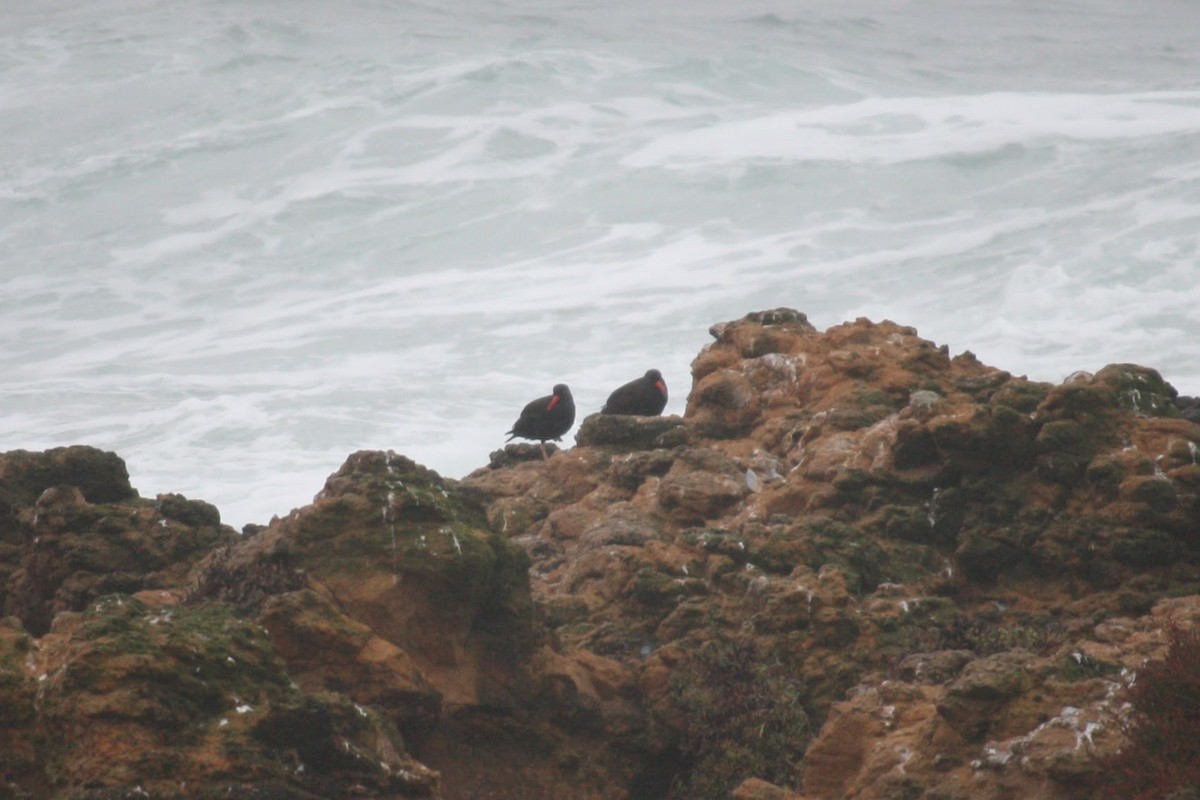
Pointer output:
x,y
546,418
645,397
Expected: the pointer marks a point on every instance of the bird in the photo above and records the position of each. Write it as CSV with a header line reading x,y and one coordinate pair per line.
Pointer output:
x,y
547,417
645,397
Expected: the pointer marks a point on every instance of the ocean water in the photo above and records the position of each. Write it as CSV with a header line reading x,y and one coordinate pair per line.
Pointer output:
x,y
240,240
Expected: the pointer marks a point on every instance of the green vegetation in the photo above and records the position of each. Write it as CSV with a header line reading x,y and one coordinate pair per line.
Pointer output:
x,y
739,715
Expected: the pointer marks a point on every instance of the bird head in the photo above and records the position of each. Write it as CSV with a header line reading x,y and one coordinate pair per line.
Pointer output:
x,y
657,378
561,393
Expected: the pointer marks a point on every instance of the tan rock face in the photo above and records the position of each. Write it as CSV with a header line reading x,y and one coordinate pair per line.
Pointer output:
x,y
188,701
858,566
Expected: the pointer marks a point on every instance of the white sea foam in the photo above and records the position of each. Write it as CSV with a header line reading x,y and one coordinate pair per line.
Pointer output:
x,y
898,129
238,242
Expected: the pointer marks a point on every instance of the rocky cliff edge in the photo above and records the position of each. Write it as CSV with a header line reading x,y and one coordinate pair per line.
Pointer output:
x,y
855,567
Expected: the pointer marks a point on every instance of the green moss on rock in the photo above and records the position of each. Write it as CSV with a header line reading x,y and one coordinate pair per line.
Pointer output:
x,y
1156,492
719,542
914,446
200,694
1105,473
18,698
655,589
909,523
1139,390
1145,547
1021,395
985,553
994,439
622,432
100,475
195,513
1064,435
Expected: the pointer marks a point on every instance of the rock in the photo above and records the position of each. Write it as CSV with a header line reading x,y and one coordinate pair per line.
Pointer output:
x,y
631,432
195,513
913,447
934,668
984,554
938,572
100,476
973,698
985,440
724,404
19,752
1189,408
700,485
328,651
755,789
246,573
625,527
630,470
93,537
1139,389
397,550
1020,394
516,453
136,697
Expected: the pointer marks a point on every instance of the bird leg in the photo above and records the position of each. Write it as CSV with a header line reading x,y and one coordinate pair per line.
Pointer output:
x,y
543,446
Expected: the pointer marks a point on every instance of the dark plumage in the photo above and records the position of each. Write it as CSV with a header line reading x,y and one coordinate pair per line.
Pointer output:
x,y
645,397
546,418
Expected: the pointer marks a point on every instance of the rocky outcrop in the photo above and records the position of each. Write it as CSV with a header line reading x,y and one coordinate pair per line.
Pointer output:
x,y
193,702
72,529
856,566
131,692
951,547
